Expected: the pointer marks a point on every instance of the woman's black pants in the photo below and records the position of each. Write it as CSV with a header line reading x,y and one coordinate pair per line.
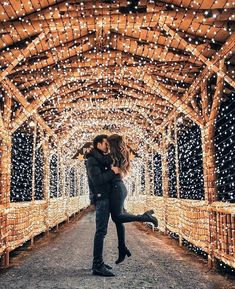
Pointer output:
x,y
118,214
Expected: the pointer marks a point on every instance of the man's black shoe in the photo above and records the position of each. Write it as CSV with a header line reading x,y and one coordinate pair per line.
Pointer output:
x,y
102,271
106,265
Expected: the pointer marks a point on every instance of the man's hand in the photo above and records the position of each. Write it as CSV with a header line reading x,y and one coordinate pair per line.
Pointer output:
x,y
116,170
92,207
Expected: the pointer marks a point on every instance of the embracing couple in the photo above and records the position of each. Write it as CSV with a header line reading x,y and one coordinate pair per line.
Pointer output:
x,y
107,164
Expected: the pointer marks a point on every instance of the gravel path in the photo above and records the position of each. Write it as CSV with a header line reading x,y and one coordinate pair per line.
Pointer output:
x,y
63,261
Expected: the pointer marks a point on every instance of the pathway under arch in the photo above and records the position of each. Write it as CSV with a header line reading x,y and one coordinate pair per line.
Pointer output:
x,y
157,262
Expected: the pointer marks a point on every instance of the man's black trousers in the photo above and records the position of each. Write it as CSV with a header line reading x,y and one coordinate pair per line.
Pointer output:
x,y
102,219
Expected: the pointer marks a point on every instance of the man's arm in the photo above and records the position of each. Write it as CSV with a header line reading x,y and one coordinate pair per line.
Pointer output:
x,y
97,177
91,192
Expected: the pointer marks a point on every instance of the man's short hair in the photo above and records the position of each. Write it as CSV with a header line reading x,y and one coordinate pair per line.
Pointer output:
x,y
99,139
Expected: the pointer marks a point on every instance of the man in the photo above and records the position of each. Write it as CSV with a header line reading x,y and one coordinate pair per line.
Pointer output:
x,y
100,173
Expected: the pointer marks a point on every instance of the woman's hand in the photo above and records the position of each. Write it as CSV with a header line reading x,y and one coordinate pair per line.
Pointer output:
x,y
122,174
116,170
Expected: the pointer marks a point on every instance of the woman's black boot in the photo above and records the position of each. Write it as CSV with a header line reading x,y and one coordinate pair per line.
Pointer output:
x,y
147,217
123,252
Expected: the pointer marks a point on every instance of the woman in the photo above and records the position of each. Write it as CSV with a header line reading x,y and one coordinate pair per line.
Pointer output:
x,y
120,156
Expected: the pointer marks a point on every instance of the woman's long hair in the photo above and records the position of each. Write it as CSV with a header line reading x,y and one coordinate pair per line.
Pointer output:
x,y
119,152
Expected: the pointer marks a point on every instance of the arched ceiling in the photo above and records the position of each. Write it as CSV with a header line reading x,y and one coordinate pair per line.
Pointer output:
x,y
127,67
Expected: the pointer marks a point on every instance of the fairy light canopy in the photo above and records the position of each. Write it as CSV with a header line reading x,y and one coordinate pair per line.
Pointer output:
x,y
82,67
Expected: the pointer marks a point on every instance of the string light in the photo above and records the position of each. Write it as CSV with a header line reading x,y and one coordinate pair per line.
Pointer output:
x,y
115,68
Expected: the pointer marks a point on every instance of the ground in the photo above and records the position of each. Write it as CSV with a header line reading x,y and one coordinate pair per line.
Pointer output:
x,y
63,261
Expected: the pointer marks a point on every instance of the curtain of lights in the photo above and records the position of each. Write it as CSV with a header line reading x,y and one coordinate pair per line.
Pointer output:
x,y
171,171
82,185
39,174
190,163
157,164
67,182
142,179
73,182
54,176
21,166
224,147
61,181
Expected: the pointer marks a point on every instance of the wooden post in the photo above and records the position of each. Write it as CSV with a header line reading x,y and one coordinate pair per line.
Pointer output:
x,y
152,173
177,179
210,189
5,175
65,196
211,193
46,187
5,185
33,171
147,176
209,161
34,157
165,185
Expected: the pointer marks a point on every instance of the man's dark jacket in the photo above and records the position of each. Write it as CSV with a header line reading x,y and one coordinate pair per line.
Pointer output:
x,y
99,174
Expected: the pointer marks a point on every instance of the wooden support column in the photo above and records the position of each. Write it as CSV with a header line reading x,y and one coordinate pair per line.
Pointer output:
x,y
46,187
34,158
209,160
33,173
62,172
151,173
146,176
5,165
165,185
210,189
5,186
208,149
177,178
176,158
65,196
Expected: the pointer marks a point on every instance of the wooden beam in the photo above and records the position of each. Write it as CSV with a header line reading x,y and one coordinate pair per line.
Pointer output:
x,y
225,50
15,92
173,99
217,96
65,137
63,54
195,106
143,89
153,53
41,98
189,47
1,121
23,54
117,104
204,100
7,111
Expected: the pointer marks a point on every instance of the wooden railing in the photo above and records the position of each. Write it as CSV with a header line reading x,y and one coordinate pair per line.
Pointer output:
x,y
190,220
223,230
23,221
187,218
